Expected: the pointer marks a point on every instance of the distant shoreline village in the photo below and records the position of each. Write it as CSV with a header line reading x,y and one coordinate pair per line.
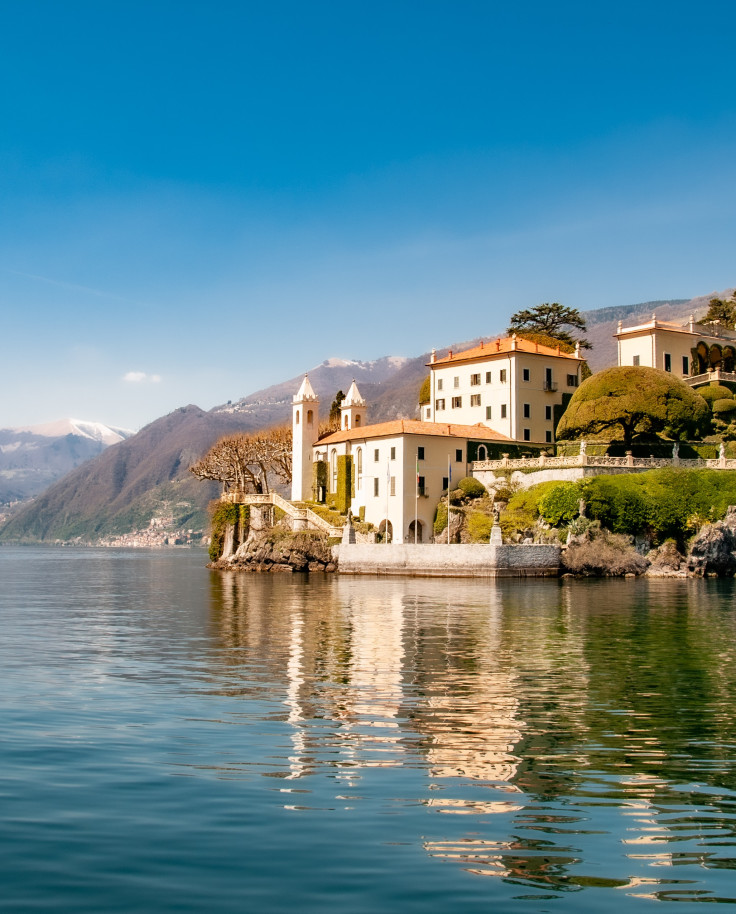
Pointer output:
x,y
488,415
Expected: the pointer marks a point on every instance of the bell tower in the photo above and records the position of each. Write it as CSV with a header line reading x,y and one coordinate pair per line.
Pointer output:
x,y
353,409
305,428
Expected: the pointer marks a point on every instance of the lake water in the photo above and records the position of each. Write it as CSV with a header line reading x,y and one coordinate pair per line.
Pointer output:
x,y
175,739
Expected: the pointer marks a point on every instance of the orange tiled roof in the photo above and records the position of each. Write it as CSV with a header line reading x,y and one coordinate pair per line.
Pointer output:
x,y
414,427
502,346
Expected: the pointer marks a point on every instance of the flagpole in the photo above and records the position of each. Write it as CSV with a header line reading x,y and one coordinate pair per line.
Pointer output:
x,y
449,483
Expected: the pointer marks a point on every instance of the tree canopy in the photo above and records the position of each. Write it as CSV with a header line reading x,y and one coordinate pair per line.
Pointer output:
x,y
722,312
553,320
630,402
245,462
425,391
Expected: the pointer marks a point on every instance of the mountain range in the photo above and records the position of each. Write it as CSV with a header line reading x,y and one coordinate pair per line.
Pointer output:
x,y
120,489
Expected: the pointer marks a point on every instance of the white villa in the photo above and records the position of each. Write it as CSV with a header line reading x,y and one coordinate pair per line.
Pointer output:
x,y
698,353
493,397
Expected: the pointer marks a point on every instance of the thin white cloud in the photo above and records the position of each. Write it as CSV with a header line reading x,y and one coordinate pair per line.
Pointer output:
x,y
140,377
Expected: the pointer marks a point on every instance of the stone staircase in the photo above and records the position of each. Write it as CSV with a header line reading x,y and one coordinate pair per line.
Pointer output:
x,y
303,518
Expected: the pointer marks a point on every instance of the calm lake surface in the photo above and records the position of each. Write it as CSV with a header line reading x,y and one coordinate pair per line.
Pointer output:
x,y
175,739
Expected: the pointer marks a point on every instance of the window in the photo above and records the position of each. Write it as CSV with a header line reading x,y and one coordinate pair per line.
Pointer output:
x,y
420,453
428,413
482,452
375,486
527,411
392,486
297,417
502,377
636,360
439,383
503,410
357,419
488,412
375,455
310,417
444,483
548,413
439,404
458,455
359,468
527,434
475,399
524,374
393,453
572,379
667,362
456,382
548,437
474,380
685,365
457,402
421,488
488,377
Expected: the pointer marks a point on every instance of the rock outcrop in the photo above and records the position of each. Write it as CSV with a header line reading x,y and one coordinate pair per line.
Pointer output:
x,y
278,551
713,550
666,562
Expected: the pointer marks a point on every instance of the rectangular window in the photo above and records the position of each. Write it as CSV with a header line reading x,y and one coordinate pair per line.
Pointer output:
x,y
444,483
392,489
439,404
458,455
524,374
474,380
667,362
439,383
548,437
375,455
429,413
527,434
503,376
548,413
393,453
527,411
572,379
421,488
488,377
685,365
420,453
375,486
457,402
636,360
488,412
503,410
456,382
475,399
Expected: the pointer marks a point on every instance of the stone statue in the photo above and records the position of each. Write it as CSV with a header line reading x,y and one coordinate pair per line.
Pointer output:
x,y
722,451
675,450
583,448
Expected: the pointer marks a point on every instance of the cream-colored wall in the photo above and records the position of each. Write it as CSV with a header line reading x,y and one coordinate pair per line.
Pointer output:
x,y
514,393
651,347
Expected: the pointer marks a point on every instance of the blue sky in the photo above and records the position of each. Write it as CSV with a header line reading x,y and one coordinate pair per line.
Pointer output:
x,y
201,199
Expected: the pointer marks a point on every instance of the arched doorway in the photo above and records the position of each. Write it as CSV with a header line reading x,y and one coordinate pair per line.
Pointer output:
x,y
385,528
419,532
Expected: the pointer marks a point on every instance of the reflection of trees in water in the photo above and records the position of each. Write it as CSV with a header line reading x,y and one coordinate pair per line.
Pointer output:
x,y
537,702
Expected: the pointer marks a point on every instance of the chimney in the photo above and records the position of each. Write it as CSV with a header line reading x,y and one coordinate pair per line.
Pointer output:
x,y
433,356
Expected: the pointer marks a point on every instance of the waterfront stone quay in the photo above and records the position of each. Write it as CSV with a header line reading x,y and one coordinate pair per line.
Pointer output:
x,y
437,560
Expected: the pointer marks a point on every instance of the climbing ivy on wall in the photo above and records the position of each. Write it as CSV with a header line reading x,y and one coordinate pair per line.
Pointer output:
x,y
343,495
227,515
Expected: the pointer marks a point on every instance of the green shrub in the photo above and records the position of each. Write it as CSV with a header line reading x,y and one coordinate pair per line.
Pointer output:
x,y
472,488
714,392
425,391
479,527
560,504
440,518
723,407
343,497
617,502
522,510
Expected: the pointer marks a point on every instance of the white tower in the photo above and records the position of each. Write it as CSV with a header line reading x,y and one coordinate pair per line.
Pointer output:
x,y
353,409
305,428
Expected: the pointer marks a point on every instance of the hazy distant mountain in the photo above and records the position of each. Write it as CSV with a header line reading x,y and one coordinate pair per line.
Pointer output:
x,y
120,490
33,457
123,487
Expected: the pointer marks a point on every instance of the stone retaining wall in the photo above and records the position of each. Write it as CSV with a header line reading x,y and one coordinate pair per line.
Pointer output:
x,y
442,560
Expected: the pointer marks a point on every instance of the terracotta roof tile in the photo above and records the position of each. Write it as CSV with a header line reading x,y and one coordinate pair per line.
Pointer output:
x,y
502,346
414,427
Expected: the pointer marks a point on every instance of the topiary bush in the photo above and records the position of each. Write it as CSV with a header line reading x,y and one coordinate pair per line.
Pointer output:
x,y
472,488
723,408
714,392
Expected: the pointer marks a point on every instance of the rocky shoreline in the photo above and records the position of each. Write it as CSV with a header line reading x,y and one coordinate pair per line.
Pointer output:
x,y
276,551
